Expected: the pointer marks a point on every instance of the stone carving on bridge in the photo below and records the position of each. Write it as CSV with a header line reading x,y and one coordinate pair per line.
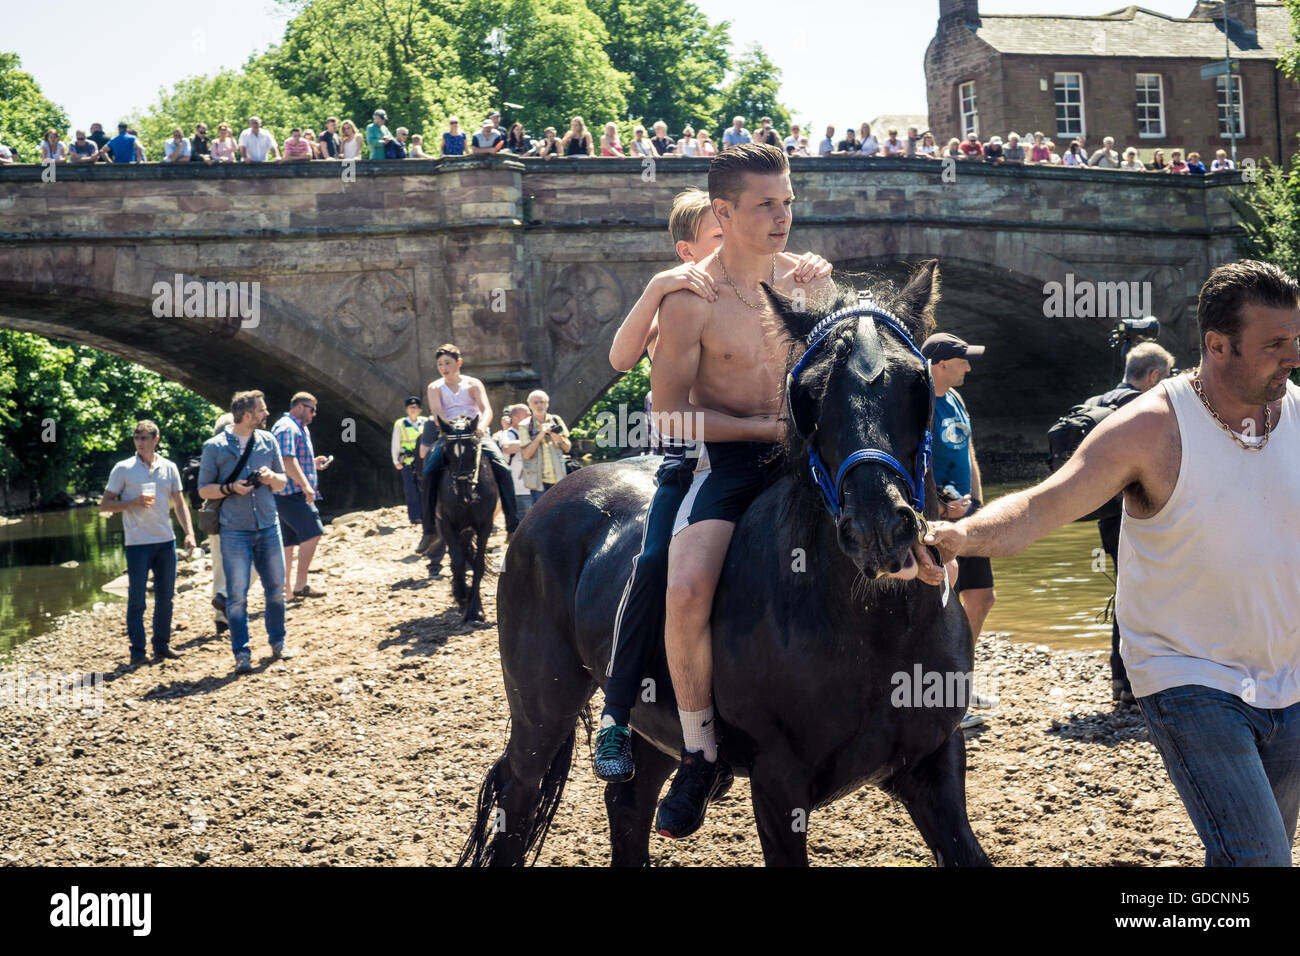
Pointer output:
x,y
580,301
373,312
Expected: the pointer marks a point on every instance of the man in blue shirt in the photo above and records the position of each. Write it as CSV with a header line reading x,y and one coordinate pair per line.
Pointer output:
x,y
250,524
956,473
123,148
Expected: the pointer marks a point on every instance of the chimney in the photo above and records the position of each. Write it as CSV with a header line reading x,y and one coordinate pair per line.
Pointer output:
x,y
1242,11
959,11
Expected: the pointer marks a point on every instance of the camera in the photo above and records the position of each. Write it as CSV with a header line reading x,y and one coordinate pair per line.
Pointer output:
x,y
1130,332
254,479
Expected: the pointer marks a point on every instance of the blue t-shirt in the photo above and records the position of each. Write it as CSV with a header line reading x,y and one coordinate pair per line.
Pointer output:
x,y
122,146
453,145
951,442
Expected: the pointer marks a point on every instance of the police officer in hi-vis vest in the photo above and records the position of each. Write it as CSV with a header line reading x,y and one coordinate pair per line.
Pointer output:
x,y
406,436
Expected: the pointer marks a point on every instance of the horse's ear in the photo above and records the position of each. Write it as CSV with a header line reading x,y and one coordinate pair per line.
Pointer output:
x,y
473,425
793,312
446,428
915,305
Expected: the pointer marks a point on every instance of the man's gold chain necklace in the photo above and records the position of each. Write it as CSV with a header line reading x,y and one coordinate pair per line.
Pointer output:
x,y
726,275
1268,416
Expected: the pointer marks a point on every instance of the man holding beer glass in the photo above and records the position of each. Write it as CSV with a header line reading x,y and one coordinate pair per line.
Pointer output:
x,y
143,488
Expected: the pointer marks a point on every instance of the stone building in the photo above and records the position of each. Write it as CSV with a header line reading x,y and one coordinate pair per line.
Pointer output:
x,y
1131,74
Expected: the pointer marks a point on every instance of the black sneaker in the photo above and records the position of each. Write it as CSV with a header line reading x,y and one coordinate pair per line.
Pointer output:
x,y
138,660
166,653
613,760
695,784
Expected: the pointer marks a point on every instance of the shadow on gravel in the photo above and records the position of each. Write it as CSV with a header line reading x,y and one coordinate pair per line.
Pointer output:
x,y
426,635
1108,728
178,689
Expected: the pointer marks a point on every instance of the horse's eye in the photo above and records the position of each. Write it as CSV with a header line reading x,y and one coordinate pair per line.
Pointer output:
x,y
841,349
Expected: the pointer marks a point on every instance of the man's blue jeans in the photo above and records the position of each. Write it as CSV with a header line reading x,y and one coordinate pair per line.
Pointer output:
x,y
140,560
240,551
1236,768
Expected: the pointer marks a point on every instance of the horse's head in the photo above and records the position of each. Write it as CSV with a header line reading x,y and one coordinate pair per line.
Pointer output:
x,y
859,402
464,451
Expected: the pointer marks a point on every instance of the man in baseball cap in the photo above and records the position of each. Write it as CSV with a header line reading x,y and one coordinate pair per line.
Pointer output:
x,y
943,346
957,476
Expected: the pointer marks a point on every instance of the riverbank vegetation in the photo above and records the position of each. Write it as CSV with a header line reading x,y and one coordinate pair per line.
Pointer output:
x,y
67,412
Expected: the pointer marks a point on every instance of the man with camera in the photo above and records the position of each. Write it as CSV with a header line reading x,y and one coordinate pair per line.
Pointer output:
x,y
543,445
241,467
406,441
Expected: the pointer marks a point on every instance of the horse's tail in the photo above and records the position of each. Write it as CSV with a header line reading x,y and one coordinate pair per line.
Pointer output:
x,y
490,820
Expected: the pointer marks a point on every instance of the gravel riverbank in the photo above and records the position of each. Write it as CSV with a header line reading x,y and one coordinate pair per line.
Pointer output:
x,y
370,745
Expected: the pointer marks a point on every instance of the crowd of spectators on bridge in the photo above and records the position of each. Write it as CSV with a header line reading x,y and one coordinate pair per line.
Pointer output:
x,y
345,140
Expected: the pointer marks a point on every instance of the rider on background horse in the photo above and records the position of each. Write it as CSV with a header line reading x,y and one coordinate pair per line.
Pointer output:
x,y
452,396
638,623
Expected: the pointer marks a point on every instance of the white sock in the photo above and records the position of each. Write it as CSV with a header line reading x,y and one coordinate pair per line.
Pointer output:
x,y
697,732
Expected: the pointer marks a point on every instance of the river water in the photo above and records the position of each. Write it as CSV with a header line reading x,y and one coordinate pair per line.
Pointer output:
x,y
1049,594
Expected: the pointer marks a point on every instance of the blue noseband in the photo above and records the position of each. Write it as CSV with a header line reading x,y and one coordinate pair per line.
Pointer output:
x,y
830,488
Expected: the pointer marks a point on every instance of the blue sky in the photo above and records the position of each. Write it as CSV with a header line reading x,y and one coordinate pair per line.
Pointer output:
x,y
843,60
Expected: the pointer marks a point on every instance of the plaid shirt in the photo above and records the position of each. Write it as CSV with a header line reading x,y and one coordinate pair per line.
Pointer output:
x,y
294,439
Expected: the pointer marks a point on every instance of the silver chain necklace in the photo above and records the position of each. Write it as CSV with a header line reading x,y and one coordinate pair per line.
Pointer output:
x,y
1268,416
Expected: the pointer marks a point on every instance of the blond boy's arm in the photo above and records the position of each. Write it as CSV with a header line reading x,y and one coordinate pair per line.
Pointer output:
x,y
640,325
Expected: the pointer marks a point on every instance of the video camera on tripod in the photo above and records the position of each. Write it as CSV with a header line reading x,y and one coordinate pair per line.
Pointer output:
x,y
1129,332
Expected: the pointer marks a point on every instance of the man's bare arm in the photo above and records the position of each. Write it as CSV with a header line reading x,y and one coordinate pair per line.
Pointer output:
x,y
976,485
677,361
1108,461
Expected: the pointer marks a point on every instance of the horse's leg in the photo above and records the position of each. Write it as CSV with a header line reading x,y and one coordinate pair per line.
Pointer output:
x,y
457,558
934,792
631,805
474,606
782,805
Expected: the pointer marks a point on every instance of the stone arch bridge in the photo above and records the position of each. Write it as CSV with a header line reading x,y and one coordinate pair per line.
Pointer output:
x,y
529,266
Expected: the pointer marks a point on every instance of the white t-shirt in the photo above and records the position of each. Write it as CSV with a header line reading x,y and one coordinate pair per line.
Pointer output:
x,y
259,146
895,149
152,525
511,436
172,146
870,146
59,151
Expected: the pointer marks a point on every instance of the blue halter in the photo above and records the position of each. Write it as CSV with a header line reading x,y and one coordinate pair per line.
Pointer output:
x,y
830,489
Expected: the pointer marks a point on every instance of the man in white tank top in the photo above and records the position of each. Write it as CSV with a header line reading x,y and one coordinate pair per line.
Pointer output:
x,y
1209,558
450,397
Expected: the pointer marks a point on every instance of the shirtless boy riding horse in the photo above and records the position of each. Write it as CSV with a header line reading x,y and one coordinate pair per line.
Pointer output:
x,y
720,364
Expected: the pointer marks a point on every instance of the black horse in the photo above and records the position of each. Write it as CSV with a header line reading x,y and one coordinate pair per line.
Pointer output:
x,y
467,500
810,631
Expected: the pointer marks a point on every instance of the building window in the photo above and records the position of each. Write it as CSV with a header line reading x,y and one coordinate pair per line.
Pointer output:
x,y
1221,87
1069,104
1150,106
970,117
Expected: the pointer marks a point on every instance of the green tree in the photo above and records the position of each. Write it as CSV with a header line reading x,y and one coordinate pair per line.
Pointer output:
x,y
630,392
675,58
66,409
25,112
1270,212
753,92
548,56
355,56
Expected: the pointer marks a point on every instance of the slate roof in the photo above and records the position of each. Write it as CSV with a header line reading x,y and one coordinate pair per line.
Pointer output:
x,y
1136,32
